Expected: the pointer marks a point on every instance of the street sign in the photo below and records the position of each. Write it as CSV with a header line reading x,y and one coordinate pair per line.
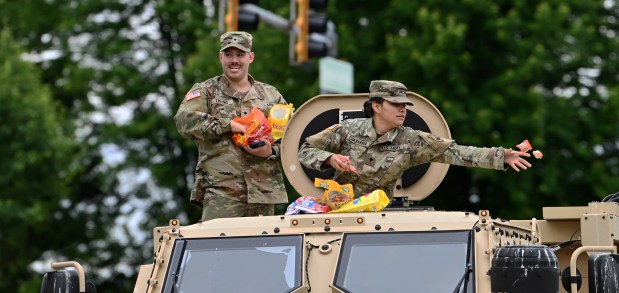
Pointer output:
x,y
336,76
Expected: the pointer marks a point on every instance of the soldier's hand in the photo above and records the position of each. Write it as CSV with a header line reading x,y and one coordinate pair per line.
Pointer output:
x,y
341,163
515,159
237,127
263,151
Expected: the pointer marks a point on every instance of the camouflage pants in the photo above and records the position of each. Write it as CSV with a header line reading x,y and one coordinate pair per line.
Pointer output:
x,y
221,207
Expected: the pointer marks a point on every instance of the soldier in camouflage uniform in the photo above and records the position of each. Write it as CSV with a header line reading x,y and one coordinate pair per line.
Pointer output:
x,y
229,180
373,152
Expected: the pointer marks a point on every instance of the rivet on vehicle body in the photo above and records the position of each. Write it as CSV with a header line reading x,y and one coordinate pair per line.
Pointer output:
x,y
377,227
276,230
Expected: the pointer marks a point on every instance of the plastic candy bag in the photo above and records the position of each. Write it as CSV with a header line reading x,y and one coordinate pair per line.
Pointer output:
x,y
258,128
335,194
374,201
306,205
278,119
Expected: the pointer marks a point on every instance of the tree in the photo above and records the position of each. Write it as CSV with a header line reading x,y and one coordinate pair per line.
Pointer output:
x,y
36,165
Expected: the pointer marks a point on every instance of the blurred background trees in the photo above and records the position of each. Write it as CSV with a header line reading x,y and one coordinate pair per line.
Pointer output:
x,y
91,159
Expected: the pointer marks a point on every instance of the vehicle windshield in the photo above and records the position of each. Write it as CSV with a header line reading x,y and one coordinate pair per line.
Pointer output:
x,y
236,264
433,261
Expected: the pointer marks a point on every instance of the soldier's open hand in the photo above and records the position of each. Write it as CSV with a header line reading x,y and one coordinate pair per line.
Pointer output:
x,y
515,159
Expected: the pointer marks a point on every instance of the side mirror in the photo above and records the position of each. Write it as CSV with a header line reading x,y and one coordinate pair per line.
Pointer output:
x,y
66,281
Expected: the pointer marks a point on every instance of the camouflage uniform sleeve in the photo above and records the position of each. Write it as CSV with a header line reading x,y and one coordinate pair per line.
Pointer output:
x,y
436,149
319,147
469,156
193,120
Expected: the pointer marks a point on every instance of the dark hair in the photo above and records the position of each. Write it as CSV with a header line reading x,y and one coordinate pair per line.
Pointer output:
x,y
368,111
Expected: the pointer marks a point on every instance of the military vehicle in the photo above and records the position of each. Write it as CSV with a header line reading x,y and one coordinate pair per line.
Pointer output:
x,y
404,248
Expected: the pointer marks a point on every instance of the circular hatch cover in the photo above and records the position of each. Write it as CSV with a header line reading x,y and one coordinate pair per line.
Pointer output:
x,y
323,111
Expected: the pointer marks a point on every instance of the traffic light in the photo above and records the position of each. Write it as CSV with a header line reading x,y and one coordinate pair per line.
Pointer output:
x,y
237,18
312,30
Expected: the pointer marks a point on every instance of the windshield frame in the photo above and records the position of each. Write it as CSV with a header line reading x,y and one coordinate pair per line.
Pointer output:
x,y
185,246
427,241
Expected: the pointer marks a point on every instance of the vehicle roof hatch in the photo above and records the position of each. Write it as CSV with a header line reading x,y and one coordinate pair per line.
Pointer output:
x,y
325,110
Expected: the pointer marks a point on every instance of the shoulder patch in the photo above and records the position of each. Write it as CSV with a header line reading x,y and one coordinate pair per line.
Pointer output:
x,y
192,94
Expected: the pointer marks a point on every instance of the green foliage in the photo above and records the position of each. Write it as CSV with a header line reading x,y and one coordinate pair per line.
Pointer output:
x,y
499,71
35,164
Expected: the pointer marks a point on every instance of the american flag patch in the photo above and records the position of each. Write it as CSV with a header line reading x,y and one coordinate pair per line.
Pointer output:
x,y
191,95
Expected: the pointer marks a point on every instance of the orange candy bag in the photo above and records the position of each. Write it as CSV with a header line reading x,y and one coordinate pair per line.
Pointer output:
x,y
525,146
258,128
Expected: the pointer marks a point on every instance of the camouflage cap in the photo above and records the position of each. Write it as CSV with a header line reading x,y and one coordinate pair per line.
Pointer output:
x,y
391,91
240,40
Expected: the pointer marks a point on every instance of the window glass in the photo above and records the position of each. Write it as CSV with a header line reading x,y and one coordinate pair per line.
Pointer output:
x,y
240,264
404,262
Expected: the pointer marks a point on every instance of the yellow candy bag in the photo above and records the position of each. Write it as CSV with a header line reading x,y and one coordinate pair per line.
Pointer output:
x,y
374,201
335,194
278,118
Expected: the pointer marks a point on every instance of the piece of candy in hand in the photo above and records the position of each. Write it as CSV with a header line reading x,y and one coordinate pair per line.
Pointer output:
x,y
537,154
524,146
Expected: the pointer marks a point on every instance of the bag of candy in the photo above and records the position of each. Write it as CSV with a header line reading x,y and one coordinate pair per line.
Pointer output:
x,y
374,201
335,194
278,119
306,205
258,128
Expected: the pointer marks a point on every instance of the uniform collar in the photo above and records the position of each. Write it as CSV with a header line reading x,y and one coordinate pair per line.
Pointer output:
x,y
367,129
229,91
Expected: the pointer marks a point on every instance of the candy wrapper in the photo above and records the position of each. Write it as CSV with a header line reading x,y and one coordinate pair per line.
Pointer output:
x,y
258,128
335,194
524,146
375,201
306,205
537,154
278,119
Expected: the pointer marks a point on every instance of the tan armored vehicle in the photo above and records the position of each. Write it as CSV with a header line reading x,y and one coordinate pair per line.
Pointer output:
x,y
401,249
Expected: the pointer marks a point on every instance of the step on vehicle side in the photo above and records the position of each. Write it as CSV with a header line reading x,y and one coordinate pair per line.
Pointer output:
x,y
405,248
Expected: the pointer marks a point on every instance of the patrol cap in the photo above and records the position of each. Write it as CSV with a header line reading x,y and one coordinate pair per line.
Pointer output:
x,y
240,40
391,91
